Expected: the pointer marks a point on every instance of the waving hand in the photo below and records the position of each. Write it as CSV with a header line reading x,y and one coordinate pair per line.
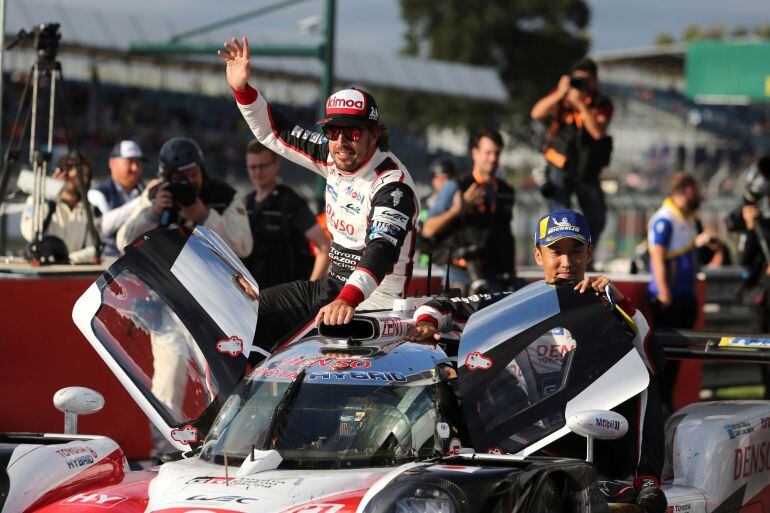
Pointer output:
x,y
238,67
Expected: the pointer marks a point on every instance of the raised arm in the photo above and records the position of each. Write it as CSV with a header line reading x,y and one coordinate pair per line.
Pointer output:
x,y
303,147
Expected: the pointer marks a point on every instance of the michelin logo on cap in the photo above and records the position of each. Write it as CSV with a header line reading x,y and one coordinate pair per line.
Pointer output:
x,y
561,224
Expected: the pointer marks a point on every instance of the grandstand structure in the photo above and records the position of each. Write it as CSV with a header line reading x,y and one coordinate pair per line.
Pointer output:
x,y
118,93
658,127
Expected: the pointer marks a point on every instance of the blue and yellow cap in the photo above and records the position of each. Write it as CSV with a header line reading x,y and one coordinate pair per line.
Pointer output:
x,y
560,224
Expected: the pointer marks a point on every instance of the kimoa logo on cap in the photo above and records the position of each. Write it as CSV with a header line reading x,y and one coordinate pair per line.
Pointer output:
x,y
348,101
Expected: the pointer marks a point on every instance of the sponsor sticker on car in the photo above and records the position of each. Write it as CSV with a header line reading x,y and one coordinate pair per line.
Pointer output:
x,y
476,360
744,342
232,346
246,482
185,435
77,456
99,500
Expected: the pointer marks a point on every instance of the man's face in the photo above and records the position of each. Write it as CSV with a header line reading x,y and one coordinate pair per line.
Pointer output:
x,y
125,172
486,156
565,259
194,175
72,179
438,181
262,168
349,155
694,197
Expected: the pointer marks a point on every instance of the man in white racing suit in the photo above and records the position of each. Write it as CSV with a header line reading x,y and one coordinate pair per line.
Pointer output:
x,y
371,206
563,250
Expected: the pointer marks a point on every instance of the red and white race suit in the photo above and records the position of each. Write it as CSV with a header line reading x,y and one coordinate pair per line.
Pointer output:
x,y
370,212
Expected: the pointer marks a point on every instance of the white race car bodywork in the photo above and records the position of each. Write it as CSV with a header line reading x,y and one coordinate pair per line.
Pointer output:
x,y
720,457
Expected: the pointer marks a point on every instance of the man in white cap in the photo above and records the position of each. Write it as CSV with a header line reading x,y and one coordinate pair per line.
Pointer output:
x,y
371,206
117,197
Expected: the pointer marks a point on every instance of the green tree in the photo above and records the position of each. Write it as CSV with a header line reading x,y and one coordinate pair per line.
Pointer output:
x,y
664,38
529,42
762,31
716,31
740,32
692,33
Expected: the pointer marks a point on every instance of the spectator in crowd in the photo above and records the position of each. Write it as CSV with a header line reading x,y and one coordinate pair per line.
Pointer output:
x,y
442,170
563,249
577,146
472,215
281,225
66,218
185,195
677,248
754,229
119,196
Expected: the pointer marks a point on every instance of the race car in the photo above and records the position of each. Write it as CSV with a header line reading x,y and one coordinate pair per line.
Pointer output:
x,y
356,419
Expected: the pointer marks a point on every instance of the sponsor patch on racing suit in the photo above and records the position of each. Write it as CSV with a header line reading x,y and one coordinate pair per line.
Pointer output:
x,y
370,213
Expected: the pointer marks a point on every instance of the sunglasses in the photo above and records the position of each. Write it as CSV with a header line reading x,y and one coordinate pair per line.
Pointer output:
x,y
352,134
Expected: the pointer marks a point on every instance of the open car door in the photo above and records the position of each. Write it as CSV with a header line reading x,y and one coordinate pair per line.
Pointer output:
x,y
174,319
532,360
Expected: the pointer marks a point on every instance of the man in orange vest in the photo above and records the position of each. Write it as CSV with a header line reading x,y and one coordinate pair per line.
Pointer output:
x,y
577,146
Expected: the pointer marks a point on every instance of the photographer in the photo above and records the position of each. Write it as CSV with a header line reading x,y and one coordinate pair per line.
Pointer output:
x,y
65,218
577,147
752,222
184,194
472,216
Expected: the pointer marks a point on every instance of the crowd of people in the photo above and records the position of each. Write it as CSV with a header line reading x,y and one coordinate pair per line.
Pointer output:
x,y
361,257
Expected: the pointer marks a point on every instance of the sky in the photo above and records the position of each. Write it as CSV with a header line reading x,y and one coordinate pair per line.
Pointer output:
x,y
375,25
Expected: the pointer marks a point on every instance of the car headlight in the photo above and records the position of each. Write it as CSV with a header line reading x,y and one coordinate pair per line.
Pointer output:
x,y
426,499
429,496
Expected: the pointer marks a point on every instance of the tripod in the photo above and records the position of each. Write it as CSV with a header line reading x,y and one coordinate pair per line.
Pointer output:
x,y
46,69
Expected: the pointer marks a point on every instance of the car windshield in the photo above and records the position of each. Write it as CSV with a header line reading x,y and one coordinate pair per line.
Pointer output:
x,y
314,422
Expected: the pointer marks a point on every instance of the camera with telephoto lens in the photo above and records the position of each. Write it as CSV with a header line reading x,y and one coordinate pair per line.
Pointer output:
x,y
579,83
758,182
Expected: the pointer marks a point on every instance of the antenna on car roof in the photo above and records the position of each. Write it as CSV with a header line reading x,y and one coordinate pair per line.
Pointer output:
x,y
448,267
227,477
430,268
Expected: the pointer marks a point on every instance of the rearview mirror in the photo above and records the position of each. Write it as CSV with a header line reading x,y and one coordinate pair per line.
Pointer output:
x,y
74,401
601,424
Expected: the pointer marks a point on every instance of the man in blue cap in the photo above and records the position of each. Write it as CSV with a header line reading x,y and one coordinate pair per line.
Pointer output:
x,y
563,249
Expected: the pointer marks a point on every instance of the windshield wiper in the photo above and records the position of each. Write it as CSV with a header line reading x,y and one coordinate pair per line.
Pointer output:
x,y
282,411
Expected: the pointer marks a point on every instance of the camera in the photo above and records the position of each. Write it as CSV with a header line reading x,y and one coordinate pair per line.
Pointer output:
x,y
182,191
579,83
45,38
758,182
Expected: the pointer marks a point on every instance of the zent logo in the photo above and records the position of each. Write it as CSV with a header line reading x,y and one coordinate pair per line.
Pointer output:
x,y
319,508
232,346
476,360
186,435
